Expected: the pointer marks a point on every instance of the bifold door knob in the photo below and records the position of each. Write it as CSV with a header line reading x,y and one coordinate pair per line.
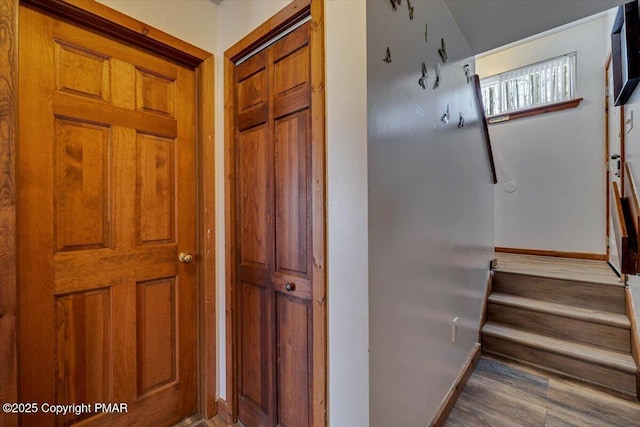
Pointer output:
x,y
290,287
185,257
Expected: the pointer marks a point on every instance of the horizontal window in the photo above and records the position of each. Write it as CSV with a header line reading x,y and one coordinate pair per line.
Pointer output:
x,y
535,85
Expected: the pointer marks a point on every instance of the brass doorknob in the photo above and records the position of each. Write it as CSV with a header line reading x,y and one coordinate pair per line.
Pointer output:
x,y
185,257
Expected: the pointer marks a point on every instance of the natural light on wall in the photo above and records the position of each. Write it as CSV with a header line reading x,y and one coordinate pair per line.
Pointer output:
x,y
537,84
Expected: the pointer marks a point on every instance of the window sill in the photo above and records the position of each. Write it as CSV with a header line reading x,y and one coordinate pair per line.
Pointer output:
x,y
543,109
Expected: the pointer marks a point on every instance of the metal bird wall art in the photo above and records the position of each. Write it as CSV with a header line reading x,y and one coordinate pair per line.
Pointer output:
x,y
426,33
461,121
425,76
437,82
394,5
467,72
445,116
387,58
443,52
410,7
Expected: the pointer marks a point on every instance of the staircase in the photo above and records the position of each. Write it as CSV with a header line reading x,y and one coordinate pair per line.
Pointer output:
x,y
565,316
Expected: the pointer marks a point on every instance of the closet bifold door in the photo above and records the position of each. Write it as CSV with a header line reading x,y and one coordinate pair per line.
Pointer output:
x,y
273,231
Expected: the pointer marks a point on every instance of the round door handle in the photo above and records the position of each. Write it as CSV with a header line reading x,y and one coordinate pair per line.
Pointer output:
x,y
290,287
185,257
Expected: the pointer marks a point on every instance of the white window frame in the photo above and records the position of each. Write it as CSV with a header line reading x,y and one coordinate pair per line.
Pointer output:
x,y
531,86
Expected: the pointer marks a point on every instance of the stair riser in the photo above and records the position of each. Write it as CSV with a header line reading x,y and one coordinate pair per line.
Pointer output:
x,y
579,294
616,380
604,336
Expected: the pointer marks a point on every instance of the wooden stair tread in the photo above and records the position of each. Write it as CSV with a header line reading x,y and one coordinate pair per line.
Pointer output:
x,y
597,272
563,310
611,359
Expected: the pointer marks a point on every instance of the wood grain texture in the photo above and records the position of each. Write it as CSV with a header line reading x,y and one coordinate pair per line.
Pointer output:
x,y
318,215
561,291
502,393
559,268
529,112
99,17
207,232
556,254
485,303
635,335
8,278
556,323
458,386
615,373
292,96
628,263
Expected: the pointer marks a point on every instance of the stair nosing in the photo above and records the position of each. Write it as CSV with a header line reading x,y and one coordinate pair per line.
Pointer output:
x,y
508,270
624,363
562,310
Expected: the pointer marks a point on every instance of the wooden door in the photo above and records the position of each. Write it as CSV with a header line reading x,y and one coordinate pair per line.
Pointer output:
x,y
273,234
107,200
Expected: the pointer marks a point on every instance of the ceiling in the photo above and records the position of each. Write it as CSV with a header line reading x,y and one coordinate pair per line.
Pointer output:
x,y
488,24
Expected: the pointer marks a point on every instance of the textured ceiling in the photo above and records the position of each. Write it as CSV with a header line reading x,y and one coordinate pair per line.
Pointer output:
x,y
488,24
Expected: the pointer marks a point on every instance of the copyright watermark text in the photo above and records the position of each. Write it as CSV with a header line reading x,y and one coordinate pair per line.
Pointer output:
x,y
76,409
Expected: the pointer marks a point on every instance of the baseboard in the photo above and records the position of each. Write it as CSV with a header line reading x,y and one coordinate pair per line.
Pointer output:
x,y
485,304
452,396
558,254
224,411
635,337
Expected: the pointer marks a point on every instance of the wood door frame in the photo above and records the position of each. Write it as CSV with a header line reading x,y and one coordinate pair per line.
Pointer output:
x,y
107,21
282,20
607,143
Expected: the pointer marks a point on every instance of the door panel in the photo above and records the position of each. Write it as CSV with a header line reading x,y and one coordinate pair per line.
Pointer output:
x,y
107,314
294,361
273,211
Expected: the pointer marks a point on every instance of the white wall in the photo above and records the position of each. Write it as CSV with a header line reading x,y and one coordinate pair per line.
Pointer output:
x,y
347,223
556,159
430,213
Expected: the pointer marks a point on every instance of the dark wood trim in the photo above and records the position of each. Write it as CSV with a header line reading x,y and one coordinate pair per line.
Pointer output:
x,y
206,238
8,268
558,254
288,16
115,24
543,109
493,263
230,239
318,215
485,303
99,17
635,336
607,64
224,411
454,393
485,129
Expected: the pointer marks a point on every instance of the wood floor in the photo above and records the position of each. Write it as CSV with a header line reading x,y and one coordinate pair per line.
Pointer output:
x,y
559,268
501,393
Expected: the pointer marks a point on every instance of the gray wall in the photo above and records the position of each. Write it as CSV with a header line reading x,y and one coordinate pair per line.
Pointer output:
x,y
430,213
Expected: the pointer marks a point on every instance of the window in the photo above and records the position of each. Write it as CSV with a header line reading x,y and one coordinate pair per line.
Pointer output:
x,y
535,85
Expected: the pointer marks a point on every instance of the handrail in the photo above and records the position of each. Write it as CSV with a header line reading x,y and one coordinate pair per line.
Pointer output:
x,y
485,128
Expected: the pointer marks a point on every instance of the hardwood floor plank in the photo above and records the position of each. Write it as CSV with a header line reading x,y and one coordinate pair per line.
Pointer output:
x,y
491,407
559,268
505,393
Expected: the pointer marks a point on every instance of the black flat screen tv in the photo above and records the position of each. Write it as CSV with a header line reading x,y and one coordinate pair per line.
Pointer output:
x,y
625,52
